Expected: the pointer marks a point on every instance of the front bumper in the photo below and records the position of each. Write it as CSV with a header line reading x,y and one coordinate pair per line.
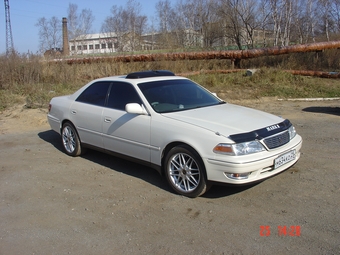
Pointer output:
x,y
259,168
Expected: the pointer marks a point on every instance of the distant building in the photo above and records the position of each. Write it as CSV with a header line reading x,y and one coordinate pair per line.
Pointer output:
x,y
128,42
53,53
94,44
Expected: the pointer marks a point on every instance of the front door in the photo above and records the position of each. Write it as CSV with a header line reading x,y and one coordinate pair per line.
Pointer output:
x,y
125,133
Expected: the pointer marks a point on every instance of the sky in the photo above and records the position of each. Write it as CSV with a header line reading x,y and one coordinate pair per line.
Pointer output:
x,y
24,14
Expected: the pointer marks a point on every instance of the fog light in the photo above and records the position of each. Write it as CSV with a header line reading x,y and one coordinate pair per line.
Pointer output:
x,y
237,176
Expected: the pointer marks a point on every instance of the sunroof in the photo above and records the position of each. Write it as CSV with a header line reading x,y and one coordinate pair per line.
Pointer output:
x,y
146,74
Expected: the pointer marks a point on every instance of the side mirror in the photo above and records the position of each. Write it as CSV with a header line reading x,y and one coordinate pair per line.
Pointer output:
x,y
135,108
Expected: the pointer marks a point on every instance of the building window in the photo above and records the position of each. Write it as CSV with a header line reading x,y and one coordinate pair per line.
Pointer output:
x,y
97,46
103,46
84,47
73,47
79,47
91,46
109,45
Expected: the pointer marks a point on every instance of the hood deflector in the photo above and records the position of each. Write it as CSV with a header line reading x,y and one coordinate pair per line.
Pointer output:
x,y
261,133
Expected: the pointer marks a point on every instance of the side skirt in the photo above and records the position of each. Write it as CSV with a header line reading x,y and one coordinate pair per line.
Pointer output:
x,y
126,157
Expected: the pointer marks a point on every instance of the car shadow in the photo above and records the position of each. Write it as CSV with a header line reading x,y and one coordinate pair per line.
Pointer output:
x,y
117,164
126,167
320,109
51,137
221,190
139,171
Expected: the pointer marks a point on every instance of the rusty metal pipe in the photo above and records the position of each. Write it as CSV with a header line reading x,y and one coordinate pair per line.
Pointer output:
x,y
229,54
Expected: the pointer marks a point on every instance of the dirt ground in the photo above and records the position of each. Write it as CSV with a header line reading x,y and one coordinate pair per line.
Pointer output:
x,y
51,203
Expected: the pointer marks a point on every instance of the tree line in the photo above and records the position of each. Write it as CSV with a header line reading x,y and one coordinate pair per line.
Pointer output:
x,y
205,23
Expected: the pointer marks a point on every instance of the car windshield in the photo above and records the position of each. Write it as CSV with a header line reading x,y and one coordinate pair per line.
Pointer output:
x,y
177,95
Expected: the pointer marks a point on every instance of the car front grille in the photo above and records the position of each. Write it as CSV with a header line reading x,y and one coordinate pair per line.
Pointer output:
x,y
277,140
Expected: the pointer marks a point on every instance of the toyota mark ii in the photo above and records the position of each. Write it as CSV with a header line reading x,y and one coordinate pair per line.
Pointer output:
x,y
176,126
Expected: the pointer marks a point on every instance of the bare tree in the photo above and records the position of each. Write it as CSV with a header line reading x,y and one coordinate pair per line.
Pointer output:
x,y
126,25
305,21
151,36
79,24
335,15
263,17
114,27
324,8
209,21
136,25
331,16
276,13
213,34
165,14
287,22
49,33
229,13
198,24
248,14
282,16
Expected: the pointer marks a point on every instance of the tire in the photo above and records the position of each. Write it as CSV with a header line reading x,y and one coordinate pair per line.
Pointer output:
x,y
70,140
185,171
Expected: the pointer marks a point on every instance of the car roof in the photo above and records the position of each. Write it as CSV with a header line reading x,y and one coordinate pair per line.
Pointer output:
x,y
144,76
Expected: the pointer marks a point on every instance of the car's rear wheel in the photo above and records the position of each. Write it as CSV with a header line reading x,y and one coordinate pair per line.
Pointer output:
x,y
185,171
70,140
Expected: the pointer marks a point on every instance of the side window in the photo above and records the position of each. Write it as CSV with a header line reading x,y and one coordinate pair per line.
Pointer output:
x,y
95,94
121,94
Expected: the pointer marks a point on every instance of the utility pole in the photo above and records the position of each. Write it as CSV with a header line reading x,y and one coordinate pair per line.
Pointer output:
x,y
9,37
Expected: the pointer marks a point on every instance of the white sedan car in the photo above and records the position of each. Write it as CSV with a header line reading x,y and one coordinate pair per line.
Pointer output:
x,y
177,127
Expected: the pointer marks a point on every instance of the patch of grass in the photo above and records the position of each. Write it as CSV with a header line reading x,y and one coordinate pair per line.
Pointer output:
x,y
268,82
9,99
37,81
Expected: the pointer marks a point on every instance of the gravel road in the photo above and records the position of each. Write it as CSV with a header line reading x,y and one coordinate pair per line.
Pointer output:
x,y
51,203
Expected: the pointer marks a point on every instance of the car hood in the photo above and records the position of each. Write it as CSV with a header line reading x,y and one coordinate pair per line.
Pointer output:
x,y
226,119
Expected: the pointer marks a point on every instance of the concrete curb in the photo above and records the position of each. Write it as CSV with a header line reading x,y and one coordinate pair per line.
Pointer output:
x,y
311,99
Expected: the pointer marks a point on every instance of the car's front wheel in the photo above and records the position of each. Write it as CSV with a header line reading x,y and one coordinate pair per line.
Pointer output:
x,y
185,171
70,140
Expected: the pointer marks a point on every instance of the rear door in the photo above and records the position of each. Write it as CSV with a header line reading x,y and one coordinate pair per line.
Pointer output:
x,y
86,113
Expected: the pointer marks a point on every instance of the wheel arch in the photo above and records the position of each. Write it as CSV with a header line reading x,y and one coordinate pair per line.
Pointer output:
x,y
69,121
174,144
64,121
201,186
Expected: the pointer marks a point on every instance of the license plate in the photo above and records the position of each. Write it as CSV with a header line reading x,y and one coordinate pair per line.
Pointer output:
x,y
284,159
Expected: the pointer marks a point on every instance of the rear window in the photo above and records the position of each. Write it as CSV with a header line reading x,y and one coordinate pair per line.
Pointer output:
x,y
95,94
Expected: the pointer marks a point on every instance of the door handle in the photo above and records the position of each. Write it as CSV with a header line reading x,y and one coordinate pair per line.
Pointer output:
x,y
73,111
107,119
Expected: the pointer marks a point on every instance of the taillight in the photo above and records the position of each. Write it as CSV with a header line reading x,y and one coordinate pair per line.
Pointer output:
x,y
49,107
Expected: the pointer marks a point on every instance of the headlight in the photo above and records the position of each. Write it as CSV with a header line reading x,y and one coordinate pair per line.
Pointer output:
x,y
239,149
247,148
292,132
